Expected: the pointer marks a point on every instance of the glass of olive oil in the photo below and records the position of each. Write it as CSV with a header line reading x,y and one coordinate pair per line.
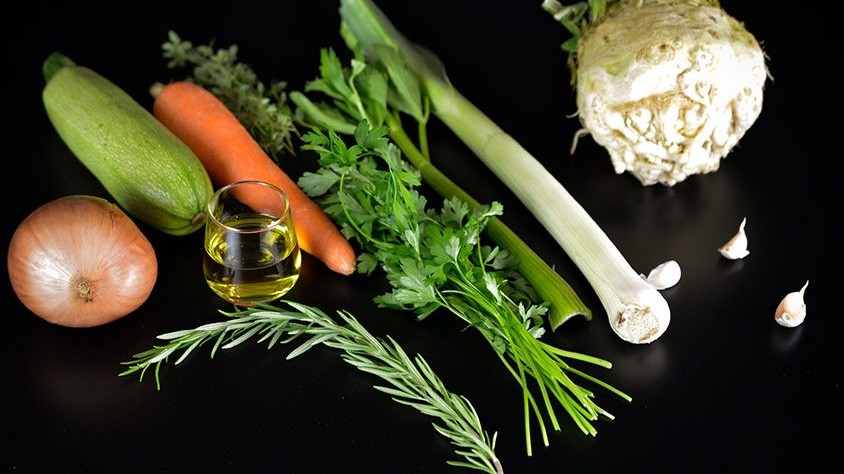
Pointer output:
x,y
251,252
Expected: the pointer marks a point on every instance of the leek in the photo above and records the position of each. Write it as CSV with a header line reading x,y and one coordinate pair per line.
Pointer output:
x,y
637,312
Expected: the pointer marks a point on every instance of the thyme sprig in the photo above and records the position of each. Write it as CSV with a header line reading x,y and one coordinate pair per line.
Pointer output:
x,y
410,381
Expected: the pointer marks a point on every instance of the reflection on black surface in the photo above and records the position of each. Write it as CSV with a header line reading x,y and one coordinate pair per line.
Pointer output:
x,y
642,368
784,340
727,267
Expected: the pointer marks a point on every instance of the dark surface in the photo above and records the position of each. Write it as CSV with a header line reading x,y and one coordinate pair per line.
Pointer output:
x,y
724,387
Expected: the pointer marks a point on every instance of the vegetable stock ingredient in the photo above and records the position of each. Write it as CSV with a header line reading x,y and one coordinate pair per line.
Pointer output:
x,y
736,247
350,104
791,312
665,275
151,174
667,87
80,261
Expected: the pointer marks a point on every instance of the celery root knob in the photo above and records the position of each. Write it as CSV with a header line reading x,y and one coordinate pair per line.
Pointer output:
x,y
674,101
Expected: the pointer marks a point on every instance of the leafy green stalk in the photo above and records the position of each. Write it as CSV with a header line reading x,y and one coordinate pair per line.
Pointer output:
x,y
411,382
436,260
381,105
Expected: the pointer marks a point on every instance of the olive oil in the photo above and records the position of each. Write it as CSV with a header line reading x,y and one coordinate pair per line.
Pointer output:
x,y
251,258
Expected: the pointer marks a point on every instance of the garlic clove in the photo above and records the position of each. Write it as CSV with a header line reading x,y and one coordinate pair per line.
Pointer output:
x,y
664,275
736,247
792,309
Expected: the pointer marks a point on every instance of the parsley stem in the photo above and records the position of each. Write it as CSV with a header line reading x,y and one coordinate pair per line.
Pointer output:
x,y
423,129
530,356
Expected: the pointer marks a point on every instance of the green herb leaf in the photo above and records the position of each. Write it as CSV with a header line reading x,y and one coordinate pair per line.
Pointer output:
x,y
408,97
544,283
317,184
371,85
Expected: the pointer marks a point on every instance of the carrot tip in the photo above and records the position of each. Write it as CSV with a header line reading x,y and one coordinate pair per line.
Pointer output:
x,y
342,268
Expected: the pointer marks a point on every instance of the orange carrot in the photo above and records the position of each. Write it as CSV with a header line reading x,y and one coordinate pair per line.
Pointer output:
x,y
230,153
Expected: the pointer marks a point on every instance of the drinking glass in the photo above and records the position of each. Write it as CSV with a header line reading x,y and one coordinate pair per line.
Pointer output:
x,y
251,251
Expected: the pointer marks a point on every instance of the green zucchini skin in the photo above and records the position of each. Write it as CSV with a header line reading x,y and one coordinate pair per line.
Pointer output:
x,y
152,174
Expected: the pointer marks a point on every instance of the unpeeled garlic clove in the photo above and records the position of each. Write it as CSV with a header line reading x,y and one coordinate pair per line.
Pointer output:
x,y
736,247
792,309
665,275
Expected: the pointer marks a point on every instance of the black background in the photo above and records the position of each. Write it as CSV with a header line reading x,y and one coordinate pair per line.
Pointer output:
x,y
725,386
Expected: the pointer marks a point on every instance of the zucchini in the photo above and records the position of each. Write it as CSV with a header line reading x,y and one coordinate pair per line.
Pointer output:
x,y
152,174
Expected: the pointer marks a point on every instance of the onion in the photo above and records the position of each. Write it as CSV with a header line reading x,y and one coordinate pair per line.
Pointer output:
x,y
80,261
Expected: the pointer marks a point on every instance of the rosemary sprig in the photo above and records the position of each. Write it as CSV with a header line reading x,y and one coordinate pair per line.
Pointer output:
x,y
411,382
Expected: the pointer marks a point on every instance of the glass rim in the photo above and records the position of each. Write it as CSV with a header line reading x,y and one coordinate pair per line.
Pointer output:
x,y
277,221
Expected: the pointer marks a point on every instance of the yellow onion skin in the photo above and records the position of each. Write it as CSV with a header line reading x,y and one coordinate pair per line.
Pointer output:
x,y
80,261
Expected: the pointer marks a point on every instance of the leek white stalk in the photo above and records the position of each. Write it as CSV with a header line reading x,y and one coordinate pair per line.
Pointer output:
x,y
637,312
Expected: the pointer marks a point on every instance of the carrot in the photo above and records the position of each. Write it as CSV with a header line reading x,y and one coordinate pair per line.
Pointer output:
x,y
230,153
